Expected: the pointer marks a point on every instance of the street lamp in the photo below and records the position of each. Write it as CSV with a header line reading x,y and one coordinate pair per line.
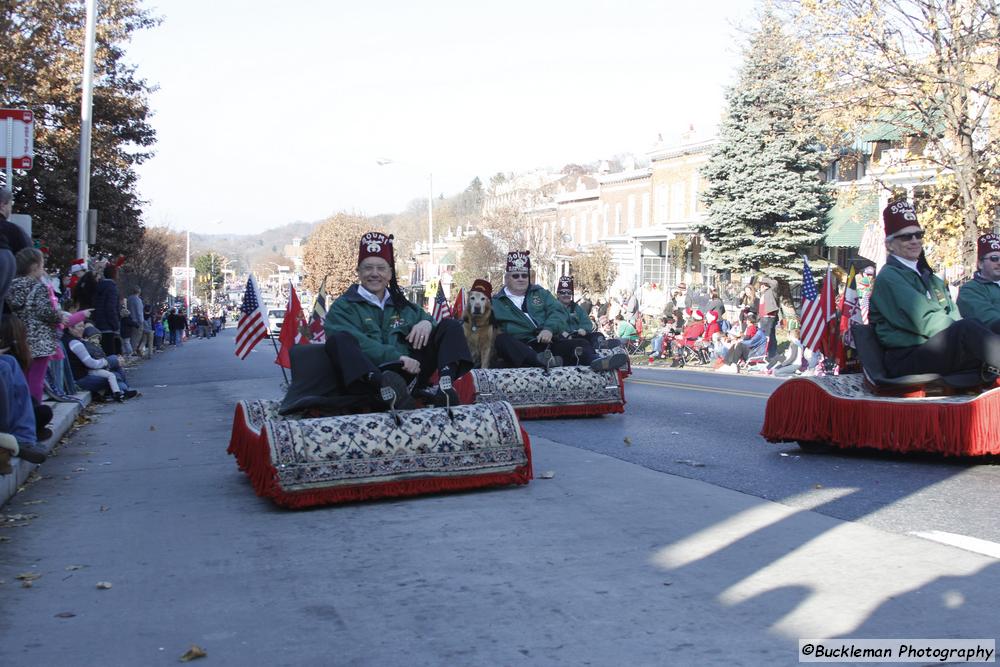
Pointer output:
x,y
383,161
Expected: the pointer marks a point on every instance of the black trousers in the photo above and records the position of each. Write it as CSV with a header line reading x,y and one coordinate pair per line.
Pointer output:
x,y
769,323
447,348
518,354
965,345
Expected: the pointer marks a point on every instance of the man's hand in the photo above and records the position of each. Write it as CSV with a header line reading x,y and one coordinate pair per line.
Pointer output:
x,y
581,333
420,334
545,336
410,365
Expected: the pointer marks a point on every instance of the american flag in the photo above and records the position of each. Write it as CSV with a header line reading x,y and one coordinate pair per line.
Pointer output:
x,y
441,308
817,309
252,327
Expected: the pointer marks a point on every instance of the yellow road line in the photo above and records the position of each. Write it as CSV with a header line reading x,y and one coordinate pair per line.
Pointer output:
x,y
697,387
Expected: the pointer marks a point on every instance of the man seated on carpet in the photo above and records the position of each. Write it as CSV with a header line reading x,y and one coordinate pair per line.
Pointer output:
x,y
913,315
578,323
979,299
531,323
376,338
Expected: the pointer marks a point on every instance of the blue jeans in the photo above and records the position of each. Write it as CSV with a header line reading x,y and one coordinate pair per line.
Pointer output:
x,y
17,415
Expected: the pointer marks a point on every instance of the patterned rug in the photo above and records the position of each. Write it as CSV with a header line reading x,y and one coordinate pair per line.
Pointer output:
x,y
560,392
302,462
841,410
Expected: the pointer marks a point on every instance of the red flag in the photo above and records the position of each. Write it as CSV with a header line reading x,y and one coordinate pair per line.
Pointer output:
x,y
459,308
289,329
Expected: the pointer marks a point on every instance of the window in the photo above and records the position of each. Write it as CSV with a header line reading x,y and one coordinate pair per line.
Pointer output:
x,y
652,270
661,204
677,202
618,219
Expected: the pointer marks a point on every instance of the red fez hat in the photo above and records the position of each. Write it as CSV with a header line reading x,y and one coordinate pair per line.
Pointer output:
x,y
483,286
518,260
565,285
988,243
898,215
376,244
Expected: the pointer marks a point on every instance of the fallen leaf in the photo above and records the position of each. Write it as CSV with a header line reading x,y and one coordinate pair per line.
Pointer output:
x,y
26,584
79,470
689,462
675,433
65,614
104,508
818,486
152,428
103,585
783,454
28,577
628,441
4,538
193,653
35,502
71,568
548,474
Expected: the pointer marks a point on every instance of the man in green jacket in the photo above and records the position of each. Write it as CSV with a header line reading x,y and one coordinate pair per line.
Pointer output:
x,y
578,322
374,335
531,323
979,299
913,315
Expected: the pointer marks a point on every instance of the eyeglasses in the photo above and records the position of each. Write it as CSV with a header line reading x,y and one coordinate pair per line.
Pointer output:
x,y
993,258
519,276
908,237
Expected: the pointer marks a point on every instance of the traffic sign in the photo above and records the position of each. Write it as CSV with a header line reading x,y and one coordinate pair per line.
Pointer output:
x,y
22,148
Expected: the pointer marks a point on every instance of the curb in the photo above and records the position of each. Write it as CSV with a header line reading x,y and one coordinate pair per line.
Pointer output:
x,y
63,417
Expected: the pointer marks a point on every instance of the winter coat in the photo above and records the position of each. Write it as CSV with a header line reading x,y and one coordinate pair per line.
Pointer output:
x,y
29,300
979,299
907,308
576,318
106,316
541,311
12,237
381,333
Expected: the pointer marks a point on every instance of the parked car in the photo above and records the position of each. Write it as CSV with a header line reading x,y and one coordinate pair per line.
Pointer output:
x,y
275,317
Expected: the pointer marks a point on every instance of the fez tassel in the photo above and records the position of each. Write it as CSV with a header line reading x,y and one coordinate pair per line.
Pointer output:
x,y
801,410
253,454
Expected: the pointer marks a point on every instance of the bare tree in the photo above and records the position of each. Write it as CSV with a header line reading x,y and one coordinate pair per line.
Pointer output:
x,y
330,257
930,68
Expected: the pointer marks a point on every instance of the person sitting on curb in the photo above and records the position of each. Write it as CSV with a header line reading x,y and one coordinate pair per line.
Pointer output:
x,y
372,327
92,369
17,418
531,323
979,299
753,344
912,313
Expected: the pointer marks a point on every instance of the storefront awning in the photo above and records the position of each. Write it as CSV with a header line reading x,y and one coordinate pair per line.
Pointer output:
x,y
845,222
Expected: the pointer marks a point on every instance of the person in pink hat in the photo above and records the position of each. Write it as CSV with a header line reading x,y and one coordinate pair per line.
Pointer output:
x,y
913,315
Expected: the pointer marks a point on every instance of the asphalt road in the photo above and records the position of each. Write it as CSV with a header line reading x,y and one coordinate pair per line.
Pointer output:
x,y
705,426
607,563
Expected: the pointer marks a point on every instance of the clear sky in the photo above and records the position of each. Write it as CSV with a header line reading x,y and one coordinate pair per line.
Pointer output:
x,y
272,112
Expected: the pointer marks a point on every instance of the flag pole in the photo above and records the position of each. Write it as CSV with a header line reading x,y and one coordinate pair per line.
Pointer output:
x,y
276,352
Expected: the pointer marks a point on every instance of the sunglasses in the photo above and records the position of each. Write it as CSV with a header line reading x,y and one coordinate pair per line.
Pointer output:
x,y
908,237
993,258
519,276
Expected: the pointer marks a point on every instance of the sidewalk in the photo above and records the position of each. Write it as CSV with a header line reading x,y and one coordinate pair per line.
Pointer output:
x,y
63,417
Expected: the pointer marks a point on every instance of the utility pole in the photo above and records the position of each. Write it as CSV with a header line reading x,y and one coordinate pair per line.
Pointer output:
x,y
86,121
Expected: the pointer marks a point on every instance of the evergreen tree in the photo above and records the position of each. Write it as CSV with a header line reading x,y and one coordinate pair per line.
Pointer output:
x,y
766,203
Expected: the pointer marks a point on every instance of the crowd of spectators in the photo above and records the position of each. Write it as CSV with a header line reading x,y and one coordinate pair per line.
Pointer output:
x,y
62,335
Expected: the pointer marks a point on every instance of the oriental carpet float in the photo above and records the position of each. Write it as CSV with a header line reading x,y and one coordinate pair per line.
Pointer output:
x,y
844,411
300,462
564,391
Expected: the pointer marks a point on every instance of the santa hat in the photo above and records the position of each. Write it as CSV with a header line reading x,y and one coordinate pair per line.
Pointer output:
x,y
518,260
483,287
565,285
988,243
688,312
697,314
78,265
712,316
898,215
376,244
76,318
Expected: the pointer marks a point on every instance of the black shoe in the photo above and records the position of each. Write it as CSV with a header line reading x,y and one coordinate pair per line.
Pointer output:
x,y
32,454
119,397
437,397
131,393
989,373
395,381
611,362
43,434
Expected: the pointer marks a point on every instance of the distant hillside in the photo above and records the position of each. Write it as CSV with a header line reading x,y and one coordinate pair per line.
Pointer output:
x,y
249,249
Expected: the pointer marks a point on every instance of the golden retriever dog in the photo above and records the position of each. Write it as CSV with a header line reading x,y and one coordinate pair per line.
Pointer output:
x,y
479,329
